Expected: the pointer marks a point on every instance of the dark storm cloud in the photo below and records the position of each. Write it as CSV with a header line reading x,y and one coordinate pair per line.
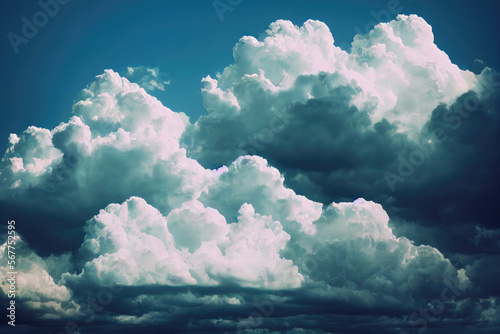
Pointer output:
x,y
170,309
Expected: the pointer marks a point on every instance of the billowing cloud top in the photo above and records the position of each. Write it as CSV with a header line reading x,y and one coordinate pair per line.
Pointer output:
x,y
147,214
395,72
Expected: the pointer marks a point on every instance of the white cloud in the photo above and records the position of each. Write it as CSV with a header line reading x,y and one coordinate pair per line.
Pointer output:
x,y
148,78
249,179
34,286
28,158
171,222
130,244
267,241
237,224
251,255
395,72
119,143
192,224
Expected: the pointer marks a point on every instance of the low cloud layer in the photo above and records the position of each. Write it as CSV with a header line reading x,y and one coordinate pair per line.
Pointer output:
x,y
168,224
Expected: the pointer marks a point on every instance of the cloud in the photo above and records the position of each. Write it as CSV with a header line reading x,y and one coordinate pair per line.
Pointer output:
x,y
483,235
130,244
247,230
198,238
396,71
33,286
192,224
148,78
343,125
120,142
249,179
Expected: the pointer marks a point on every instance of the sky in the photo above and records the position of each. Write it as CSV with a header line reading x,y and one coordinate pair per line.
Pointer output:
x,y
251,166
188,41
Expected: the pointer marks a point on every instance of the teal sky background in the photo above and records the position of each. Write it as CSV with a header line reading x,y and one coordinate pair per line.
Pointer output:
x,y
188,40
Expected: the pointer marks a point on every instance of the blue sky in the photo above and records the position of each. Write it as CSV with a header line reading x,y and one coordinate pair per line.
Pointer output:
x,y
188,41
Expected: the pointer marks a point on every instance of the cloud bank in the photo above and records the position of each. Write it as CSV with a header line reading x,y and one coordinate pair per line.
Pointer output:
x,y
200,231
387,121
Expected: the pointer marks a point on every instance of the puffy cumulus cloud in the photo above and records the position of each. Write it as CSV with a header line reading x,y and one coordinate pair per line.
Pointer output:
x,y
130,244
251,255
148,78
34,287
262,236
198,248
247,230
120,142
192,224
457,180
411,74
249,179
356,249
388,121
33,157
395,72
